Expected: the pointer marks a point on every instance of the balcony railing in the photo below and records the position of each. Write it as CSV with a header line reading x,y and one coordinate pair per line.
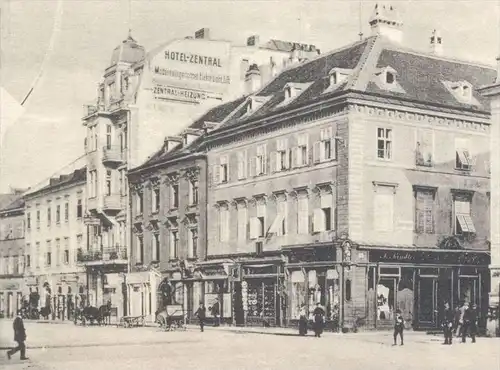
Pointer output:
x,y
112,154
112,202
89,109
105,254
114,105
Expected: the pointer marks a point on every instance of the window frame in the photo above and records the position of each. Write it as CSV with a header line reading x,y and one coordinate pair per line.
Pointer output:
x,y
388,153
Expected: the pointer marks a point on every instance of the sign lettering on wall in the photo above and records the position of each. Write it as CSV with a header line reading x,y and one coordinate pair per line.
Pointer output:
x,y
452,258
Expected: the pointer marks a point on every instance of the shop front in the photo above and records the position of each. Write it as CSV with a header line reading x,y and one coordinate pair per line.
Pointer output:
x,y
210,284
314,276
67,295
420,282
10,296
140,291
258,292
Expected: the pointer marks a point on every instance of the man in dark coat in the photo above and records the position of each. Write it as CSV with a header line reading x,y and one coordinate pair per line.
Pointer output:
x,y
470,323
449,317
201,313
319,320
399,326
216,312
19,337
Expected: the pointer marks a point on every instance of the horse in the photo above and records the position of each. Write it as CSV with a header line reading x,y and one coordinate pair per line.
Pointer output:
x,y
88,313
45,312
105,313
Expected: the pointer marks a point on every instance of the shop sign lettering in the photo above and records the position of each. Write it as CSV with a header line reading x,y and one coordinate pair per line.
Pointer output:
x,y
260,270
213,271
187,57
313,255
454,258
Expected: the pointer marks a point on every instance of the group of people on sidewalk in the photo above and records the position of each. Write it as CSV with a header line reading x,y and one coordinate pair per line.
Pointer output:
x,y
318,319
461,322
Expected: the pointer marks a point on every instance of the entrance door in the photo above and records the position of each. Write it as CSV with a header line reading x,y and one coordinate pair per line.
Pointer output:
x,y
386,300
427,302
239,315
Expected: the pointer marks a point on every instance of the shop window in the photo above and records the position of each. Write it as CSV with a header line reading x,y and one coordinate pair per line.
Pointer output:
x,y
389,271
348,290
298,293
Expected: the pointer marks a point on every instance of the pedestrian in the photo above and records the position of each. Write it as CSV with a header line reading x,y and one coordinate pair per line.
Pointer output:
x,y
19,337
303,320
216,312
456,324
460,328
201,313
448,324
318,314
399,325
470,323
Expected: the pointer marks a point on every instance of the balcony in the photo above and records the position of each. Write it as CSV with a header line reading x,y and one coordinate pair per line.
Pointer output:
x,y
89,109
112,155
105,256
112,202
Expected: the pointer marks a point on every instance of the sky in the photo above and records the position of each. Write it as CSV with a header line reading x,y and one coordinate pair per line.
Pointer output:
x,y
49,134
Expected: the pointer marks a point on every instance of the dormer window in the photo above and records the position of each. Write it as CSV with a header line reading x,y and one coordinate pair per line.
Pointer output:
x,y
292,90
389,78
462,91
254,103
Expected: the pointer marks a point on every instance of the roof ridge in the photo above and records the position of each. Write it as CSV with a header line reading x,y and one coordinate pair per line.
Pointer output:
x,y
366,63
406,49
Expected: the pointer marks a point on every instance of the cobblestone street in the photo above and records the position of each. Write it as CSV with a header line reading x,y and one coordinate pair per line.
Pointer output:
x,y
75,347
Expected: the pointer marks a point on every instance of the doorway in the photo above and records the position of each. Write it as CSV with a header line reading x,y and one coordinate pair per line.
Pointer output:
x,y
427,301
386,300
239,315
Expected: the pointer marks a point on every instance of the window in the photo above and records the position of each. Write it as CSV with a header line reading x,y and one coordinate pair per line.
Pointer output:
x,y
193,243
384,143
323,215
28,220
66,211
66,256
324,149
48,216
193,192
303,215
424,211
389,78
463,224
155,204
174,244
58,252
156,247
139,258
242,222
464,159
58,213
123,183
282,212
301,152
28,258
242,165
108,137
38,219
424,148
108,183
281,156
48,259
383,212
139,202
174,196
79,209
259,162
223,170
38,255
223,223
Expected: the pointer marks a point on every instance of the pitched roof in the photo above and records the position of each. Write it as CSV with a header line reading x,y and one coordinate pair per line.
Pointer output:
x,y
6,199
76,176
15,204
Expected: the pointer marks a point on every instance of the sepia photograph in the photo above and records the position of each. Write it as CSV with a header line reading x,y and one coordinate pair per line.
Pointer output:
x,y
249,184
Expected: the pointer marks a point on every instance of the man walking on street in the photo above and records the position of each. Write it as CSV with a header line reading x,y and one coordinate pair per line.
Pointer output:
x,y
448,324
201,314
19,337
470,323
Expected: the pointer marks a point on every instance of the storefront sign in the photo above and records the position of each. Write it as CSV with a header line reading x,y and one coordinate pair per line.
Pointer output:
x,y
431,257
324,254
213,271
260,270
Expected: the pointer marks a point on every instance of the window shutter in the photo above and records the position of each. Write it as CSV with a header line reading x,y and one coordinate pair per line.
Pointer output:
x,y
254,228
318,220
296,158
275,161
253,166
317,152
264,160
333,149
288,158
420,213
429,212
216,175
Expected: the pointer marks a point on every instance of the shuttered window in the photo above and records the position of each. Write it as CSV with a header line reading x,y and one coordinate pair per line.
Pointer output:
x,y
424,211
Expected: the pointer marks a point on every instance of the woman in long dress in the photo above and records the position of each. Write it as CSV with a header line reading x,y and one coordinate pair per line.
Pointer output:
x,y
319,320
303,320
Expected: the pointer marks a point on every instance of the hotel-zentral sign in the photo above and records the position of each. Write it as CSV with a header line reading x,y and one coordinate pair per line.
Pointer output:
x,y
187,57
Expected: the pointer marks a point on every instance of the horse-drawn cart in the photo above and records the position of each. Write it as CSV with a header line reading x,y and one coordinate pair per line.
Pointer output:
x,y
173,317
132,321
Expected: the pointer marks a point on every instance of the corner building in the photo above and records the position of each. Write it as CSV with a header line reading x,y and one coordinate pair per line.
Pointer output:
x,y
143,98
351,181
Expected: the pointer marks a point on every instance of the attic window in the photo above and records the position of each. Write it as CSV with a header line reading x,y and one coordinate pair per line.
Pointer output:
x,y
389,78
462,91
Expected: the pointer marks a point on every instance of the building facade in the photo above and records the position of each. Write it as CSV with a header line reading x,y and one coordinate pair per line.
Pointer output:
x,y
12,256
350,182
55,241
143,98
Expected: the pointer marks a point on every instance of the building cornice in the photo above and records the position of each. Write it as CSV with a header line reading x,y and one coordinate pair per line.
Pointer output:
x,y
54,189
12,212
138,174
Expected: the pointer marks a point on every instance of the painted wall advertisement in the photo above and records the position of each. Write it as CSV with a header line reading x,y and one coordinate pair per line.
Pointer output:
x,y
191,71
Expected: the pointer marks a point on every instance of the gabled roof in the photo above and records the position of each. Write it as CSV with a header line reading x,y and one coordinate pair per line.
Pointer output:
x,y
76,176
15,204
6,200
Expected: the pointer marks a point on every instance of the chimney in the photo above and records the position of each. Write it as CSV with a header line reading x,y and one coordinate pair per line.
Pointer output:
x,y
294,56
385,22
253,40
252,79
171,142
436,43
203,33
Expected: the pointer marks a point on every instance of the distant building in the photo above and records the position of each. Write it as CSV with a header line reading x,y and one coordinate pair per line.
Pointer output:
x,y
56,242
147,96
11,253
358,179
